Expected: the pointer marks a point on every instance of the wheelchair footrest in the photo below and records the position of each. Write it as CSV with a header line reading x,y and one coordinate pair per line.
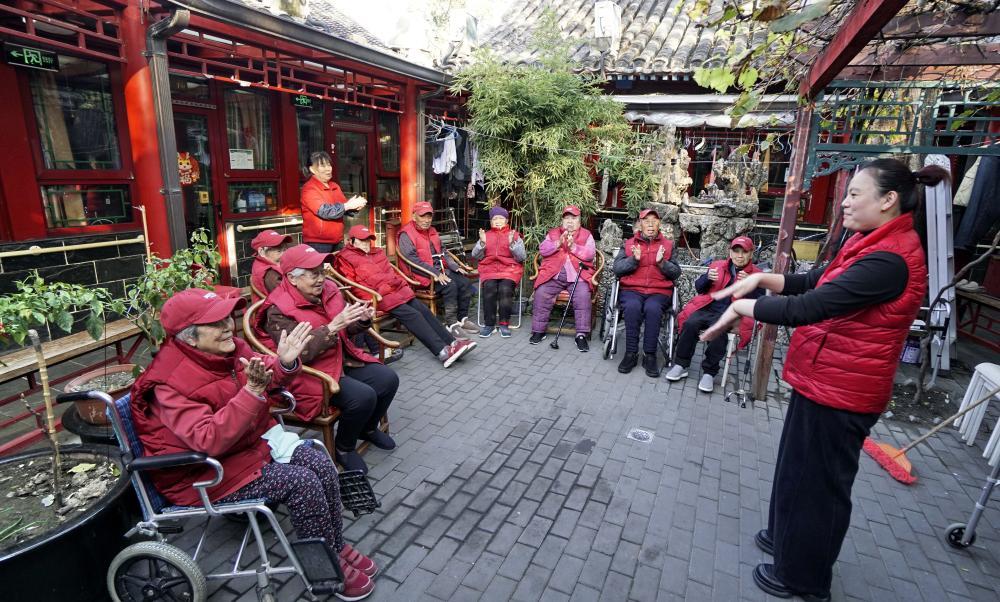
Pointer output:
x,y
320,565
356,493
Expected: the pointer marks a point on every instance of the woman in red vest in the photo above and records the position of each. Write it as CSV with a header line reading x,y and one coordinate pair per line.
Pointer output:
x,y
646,277
205,391
362,262
851,319
324,206
702,311
501,255
265,274
567,253
419,242
366,386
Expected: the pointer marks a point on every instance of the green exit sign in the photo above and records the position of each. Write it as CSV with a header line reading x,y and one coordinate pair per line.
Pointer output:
x,y
302,101
33,58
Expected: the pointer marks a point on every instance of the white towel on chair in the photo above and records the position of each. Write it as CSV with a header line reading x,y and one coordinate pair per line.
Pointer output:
x,y
282,443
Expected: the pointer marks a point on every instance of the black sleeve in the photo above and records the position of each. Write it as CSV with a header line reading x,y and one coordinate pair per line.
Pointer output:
x,y
796,284
876,278
702,284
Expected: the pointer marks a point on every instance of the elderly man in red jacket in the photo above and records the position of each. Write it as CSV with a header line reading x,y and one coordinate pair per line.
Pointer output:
x,y
324,206
362,262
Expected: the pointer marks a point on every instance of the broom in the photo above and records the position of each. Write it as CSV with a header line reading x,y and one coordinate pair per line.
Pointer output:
x,y
894,460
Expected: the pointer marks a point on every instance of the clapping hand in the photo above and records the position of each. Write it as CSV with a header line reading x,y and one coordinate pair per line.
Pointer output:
x,y
442,278
636,252
356,202
660,254
510,238
713,274
482,236
257,377
351,313
291,344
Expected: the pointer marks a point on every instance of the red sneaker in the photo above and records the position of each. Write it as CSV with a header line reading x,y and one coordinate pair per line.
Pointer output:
x,y
357,585
358,560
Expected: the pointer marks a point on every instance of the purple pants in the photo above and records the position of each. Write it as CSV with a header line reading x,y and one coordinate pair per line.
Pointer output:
x,y
545,298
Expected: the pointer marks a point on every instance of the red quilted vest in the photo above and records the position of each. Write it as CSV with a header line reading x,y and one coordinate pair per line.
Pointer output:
x,y
260,267
700,301
499,262
373,271
308,390
849,362
204,379
553,264
647,278
428,244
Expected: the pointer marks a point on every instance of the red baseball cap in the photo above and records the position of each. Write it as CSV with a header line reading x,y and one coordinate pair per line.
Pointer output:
x,y
572,210
302,256
646,212
422,208
743,242
269,238
196,306
360,232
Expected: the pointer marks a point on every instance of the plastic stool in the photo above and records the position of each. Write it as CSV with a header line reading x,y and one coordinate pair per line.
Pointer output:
x,y
985,378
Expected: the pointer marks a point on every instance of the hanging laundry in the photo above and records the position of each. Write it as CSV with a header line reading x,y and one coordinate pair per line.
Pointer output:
x,y
477,169
965,187
446,157
767,169
711,171
983,211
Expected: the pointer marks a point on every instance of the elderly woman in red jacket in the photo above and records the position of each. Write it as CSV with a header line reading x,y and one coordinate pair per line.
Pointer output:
x,y
567,254
366,386
362,262
206,391
500,252
851,319
265,273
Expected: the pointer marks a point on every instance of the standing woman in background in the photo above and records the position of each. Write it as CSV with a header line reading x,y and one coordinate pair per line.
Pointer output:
x,y
851,319
324,206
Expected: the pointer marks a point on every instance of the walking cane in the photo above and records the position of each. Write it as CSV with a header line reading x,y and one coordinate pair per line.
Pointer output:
x,y
579,272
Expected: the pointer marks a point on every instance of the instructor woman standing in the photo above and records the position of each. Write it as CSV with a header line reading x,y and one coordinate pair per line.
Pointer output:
x,y
852,317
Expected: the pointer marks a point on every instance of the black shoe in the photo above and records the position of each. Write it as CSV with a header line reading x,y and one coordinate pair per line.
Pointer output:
x,y
765,579
379,439
351,460
649,364
581,343
536,338
628,362
395,355
764,541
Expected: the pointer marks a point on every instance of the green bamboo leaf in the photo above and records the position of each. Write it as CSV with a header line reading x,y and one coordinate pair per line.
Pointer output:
x,y
793,21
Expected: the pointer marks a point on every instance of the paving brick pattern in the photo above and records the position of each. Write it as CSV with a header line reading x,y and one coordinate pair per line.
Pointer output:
x,y
513,480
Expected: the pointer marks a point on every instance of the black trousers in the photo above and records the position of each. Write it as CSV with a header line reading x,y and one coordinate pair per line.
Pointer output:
x,y
457,293
811,495
326,247
364,397
418,319
715,349
639,309
497,295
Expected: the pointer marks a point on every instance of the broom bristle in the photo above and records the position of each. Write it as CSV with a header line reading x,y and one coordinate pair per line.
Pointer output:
x,y
888,463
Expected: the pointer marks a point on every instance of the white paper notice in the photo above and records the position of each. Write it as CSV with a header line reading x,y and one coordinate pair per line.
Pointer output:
x,y
241,158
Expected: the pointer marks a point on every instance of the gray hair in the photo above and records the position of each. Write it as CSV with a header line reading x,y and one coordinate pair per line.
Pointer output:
x,y
296,272
189,334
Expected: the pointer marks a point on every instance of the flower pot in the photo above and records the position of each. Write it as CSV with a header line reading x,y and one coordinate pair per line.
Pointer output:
x,y
92,410
70,562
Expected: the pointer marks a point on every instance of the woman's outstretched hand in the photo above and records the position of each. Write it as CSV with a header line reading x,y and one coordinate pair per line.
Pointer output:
x,y
291,344
723,325
258,378
740,288
351,313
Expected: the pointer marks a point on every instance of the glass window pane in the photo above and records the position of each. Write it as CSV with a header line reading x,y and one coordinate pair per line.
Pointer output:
x,y
342,112
388,140
68,205
388,190
248,130
253,197
75,115
188,87
310,128
352,163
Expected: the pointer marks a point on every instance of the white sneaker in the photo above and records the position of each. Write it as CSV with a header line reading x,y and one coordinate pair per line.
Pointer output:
x,y
707,383
676,372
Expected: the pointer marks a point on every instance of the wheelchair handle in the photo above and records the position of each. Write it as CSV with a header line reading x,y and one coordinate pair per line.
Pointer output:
x,y
84,396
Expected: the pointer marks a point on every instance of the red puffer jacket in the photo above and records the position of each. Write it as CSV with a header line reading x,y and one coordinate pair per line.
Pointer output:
x,y
428,244
700,301
553,264
498,261
260,267
647,278
308,390
314,195
849,362
188,400
373,270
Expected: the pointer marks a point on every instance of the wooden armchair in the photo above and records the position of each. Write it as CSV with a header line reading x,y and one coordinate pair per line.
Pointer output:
x,y
429,294
563,297
328,414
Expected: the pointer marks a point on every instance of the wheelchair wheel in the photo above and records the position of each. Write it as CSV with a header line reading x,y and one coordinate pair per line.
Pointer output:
x,y
152,570
607,348
953,535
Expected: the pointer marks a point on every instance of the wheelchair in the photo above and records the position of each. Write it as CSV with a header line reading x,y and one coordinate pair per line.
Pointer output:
x,y
158,570
612,325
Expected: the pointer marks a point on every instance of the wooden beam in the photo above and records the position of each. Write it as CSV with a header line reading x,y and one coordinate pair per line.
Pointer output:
x,y
933,55
942,24
897,73
863,23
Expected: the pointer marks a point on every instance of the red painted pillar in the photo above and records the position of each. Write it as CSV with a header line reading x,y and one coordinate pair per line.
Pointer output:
x,y
408,167
139,111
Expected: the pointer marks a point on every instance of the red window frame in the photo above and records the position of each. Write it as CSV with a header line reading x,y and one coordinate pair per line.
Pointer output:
x,y
236,176
57,177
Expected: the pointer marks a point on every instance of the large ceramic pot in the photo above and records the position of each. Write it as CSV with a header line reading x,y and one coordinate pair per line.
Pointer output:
x,y
92,410
71,562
